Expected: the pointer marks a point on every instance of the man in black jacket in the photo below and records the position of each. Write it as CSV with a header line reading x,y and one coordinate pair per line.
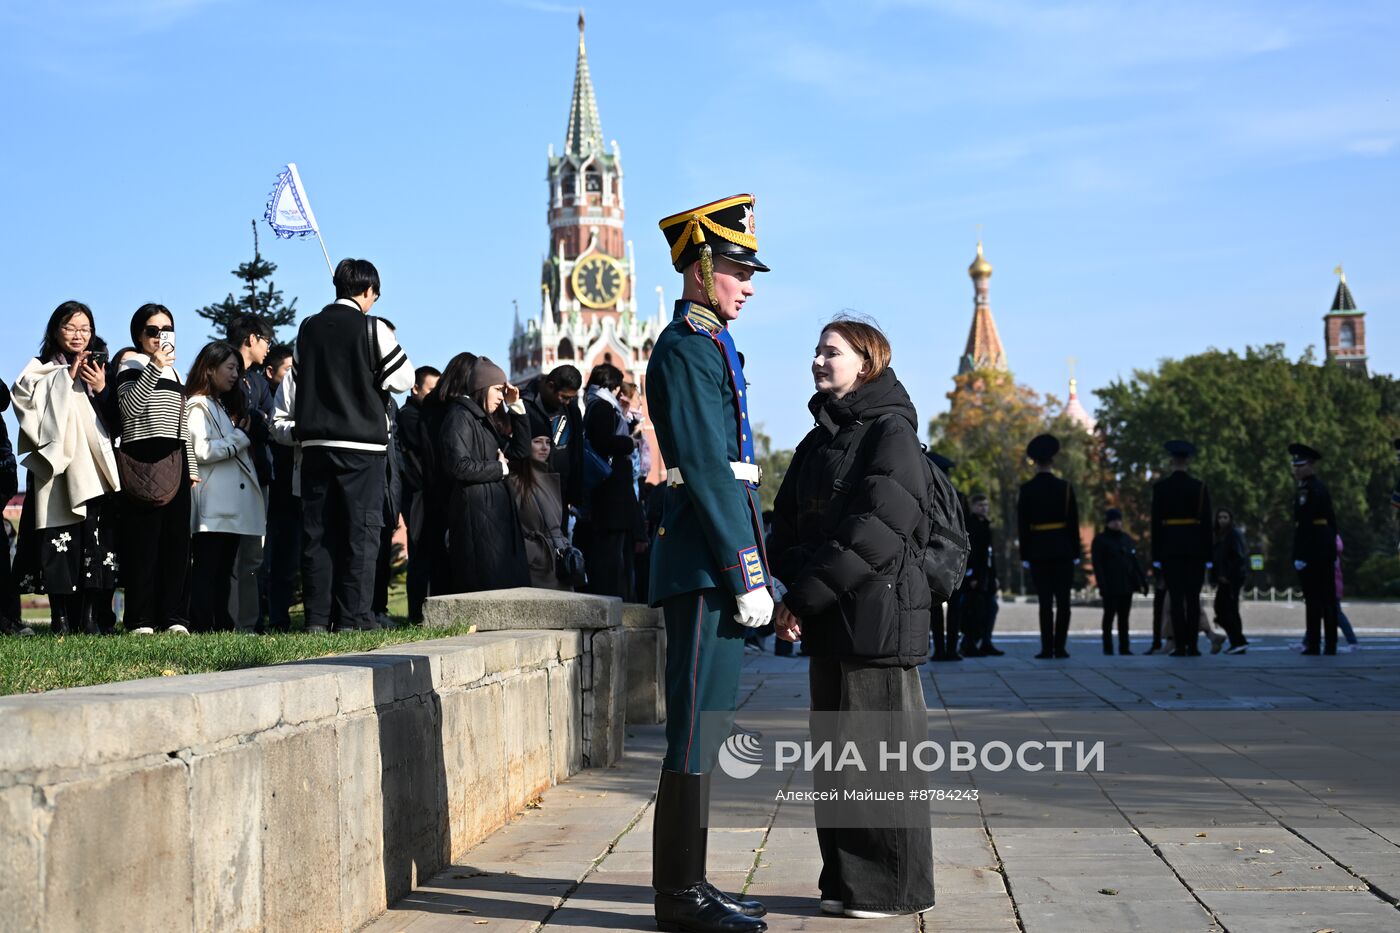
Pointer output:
x,y
332,405
1182,544
1119,575
252,336
1314,550
979,587
408,437
612,516
1047,517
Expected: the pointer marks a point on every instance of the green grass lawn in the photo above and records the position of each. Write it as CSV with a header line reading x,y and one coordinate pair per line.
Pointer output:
x,y
46,662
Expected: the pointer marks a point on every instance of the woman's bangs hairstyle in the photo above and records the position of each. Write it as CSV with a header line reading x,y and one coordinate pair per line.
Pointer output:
x,y
53,333
867,340
201,378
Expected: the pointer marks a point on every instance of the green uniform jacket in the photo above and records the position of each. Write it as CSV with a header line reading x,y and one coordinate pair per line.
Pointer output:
x,y
710,532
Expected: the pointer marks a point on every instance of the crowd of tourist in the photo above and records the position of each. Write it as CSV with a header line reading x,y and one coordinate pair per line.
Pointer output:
x,y
218,498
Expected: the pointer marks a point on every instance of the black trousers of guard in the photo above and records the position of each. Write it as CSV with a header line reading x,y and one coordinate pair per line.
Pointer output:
x,y
342,512
1320,599
1052,580
1184,576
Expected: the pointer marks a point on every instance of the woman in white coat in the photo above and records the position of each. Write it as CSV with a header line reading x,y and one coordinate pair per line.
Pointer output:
x,y
227,502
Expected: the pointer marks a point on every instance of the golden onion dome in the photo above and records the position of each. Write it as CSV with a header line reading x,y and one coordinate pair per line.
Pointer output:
x,y
980,268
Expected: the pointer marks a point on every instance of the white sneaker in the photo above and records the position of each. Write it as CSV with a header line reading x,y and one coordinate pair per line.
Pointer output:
x,y
1347,649
1235,649
833,907
1296,646
143,630
177,629
880,914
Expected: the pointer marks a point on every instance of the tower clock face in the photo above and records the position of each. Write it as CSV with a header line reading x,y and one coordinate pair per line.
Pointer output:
x,y
597,281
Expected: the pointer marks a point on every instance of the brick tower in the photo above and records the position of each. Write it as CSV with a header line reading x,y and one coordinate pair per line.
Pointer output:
x,y
588,294
984,349
1344,329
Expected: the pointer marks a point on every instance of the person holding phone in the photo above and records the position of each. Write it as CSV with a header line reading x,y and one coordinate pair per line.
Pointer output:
x,y
227,505
160,473
66,548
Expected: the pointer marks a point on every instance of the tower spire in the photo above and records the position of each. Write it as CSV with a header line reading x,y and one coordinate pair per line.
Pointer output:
x,y
984,349
585,132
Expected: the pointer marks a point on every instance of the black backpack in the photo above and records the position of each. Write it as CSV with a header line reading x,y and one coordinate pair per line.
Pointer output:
x,y
945,557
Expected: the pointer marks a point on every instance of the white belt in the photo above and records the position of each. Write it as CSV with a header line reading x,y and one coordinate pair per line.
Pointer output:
x,y
748,472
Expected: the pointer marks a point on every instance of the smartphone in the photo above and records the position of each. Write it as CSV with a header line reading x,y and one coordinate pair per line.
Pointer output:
x,y
167,341
98,359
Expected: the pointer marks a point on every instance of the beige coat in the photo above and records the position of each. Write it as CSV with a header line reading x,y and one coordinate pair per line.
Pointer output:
x,y
63,442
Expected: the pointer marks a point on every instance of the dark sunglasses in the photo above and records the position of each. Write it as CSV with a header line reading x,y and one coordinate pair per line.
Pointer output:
x,y
151,331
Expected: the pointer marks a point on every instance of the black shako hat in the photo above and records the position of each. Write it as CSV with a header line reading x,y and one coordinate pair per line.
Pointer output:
x,y
1302,453
940,461
1183,449
726,225
1042,448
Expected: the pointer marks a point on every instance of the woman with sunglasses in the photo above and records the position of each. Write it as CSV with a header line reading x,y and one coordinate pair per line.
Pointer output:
x,y
159,472
66,534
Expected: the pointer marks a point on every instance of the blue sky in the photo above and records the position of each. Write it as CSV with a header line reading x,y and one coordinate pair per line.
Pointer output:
x,y
1151,178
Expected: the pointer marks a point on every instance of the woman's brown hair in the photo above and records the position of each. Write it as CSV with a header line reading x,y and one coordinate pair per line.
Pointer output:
x,y
865,338
201,380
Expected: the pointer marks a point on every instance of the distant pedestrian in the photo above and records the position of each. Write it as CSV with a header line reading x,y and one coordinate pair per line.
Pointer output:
x,y
227,505
67,546
1343,622
552,400
1314,550
982,581
539,502
252,336
611,519
282,543
345,364
1119,575
1231,564
408,436
1182,543
485,545
1048,522
10,623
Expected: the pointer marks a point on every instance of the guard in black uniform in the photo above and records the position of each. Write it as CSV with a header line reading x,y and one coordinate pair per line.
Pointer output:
x,y
1315,550
979,588
1182,544
1047,517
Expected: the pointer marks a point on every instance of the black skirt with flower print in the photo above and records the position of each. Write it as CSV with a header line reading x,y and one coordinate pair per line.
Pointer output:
x,y
63,560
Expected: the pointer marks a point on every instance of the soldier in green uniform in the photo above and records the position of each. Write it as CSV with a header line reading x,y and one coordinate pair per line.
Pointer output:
x,y
1182,544
708,570
1047,517
1315,550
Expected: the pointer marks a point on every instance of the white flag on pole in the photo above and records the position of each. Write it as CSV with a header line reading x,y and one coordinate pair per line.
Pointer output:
x,y
288,210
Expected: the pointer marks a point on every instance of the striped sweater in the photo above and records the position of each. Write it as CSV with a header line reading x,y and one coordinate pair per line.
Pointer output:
x,y
152,405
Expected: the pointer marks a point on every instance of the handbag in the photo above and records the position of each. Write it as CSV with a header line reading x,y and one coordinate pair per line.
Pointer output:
x,y
152,483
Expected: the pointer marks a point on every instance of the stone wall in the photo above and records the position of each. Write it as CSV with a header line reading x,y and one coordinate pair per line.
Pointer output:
x,y
300,797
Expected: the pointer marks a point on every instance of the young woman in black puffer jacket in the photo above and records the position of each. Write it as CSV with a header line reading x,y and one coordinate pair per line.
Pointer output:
x,y
858,599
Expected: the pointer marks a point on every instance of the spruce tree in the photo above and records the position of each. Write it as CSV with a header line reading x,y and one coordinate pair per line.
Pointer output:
x,y
264,300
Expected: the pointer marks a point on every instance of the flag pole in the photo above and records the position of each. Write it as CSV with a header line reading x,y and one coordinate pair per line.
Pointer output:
x,y
310,214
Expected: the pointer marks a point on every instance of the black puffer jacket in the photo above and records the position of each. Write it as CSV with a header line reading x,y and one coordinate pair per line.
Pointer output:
x,y
849,562
485,546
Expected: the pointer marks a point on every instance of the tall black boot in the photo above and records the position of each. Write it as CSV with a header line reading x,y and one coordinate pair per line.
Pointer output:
x,y
685,901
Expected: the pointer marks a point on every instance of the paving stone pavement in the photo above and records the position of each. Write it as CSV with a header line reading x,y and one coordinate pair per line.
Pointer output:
x,y
1240,794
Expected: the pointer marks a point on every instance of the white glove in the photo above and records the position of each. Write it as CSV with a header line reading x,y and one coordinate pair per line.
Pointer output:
x,y
1076,562
755,608
1299,564
1157,564
1210,565
1025,565
968,574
